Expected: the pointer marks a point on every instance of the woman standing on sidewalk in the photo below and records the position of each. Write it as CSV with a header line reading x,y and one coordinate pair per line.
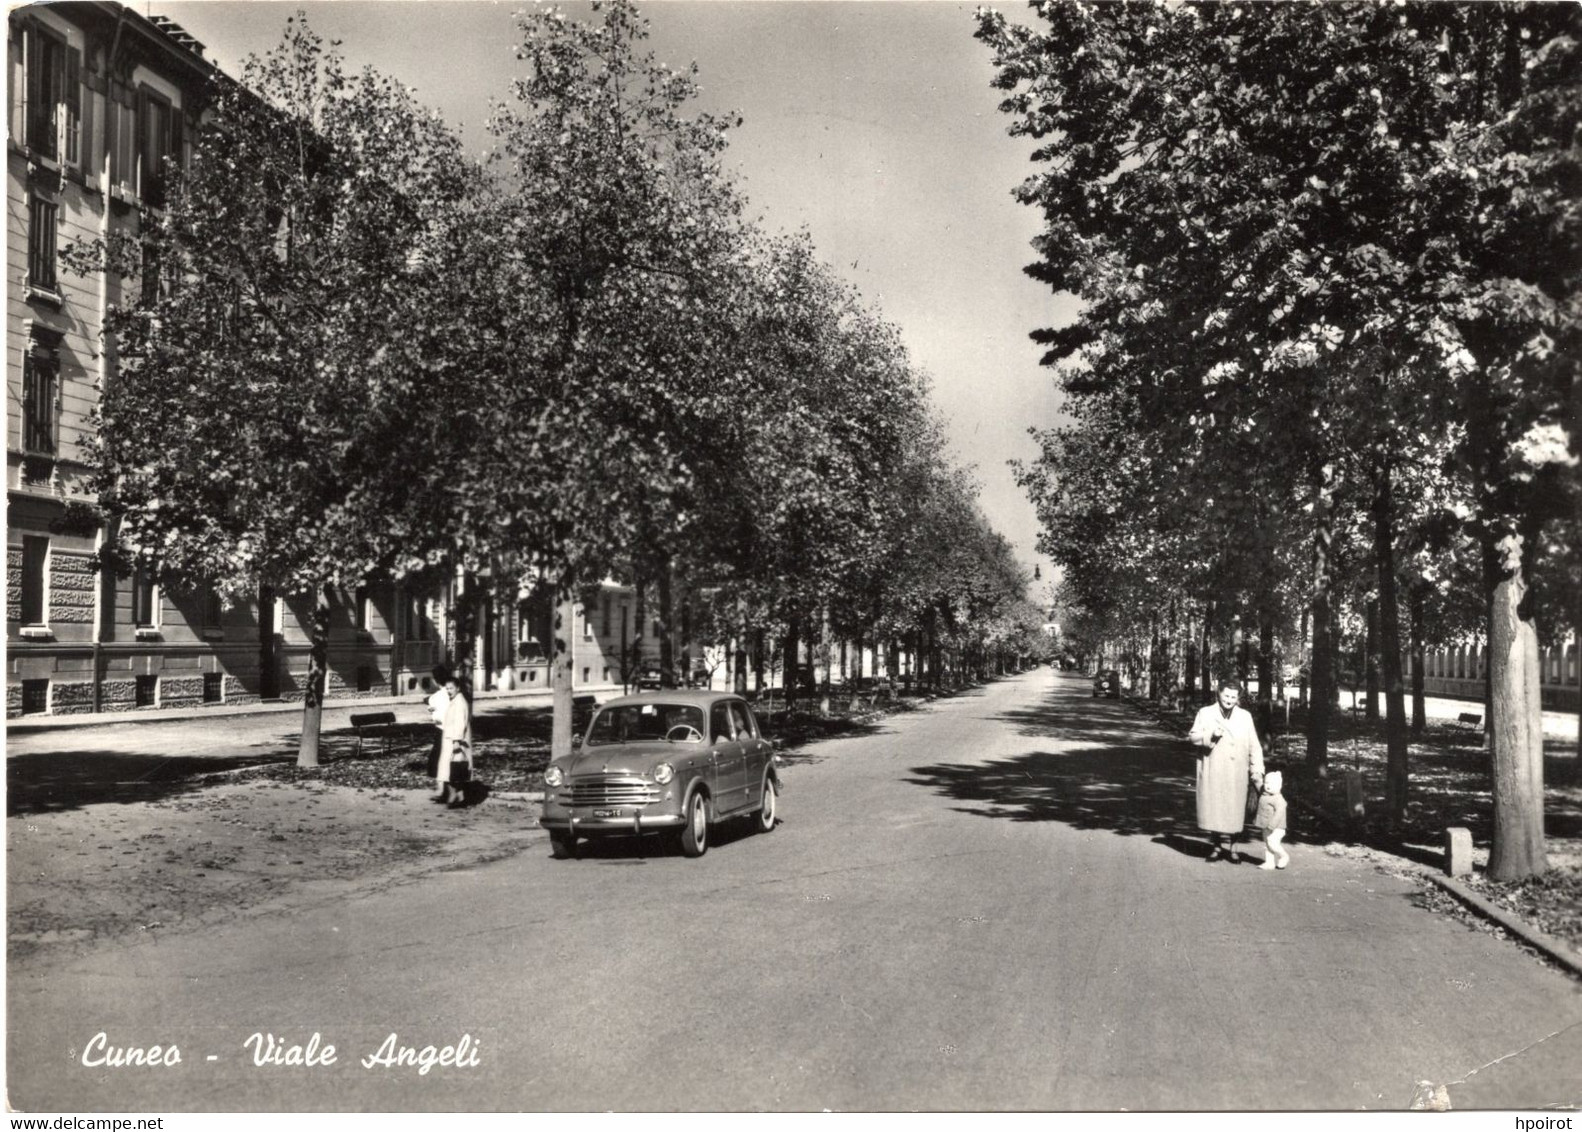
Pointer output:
x,y
1233,759
437,703
455,748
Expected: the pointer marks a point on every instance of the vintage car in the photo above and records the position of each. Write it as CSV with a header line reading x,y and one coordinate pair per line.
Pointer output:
x,y
1107,683
672,762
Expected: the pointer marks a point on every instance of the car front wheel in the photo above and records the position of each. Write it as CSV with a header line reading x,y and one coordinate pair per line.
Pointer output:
x,y
562,845
764,819
695,834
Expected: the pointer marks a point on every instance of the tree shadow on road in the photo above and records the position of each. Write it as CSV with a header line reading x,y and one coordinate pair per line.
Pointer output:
x,y
1138,782
69,780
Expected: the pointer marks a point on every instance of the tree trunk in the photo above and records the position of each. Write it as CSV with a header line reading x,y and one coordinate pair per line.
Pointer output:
x,y
826,651
641,614
1419,659
1370,664
1305,667
788,677
759,659
560,673
1517,711
318,671
686,632
1206,692
1322,667
667,645
268,661
1388,615
1266,670
741,663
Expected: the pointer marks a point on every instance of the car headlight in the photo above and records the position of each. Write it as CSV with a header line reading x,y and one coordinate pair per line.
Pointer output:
x,y
663,773
553,776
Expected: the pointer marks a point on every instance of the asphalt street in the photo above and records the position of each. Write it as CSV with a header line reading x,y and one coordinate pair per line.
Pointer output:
x,y
997,902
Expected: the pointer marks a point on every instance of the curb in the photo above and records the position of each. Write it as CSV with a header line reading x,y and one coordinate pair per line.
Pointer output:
x,y
518,795
1542,941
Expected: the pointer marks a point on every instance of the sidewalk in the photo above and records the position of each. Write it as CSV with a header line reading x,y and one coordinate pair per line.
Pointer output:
x,y
31,724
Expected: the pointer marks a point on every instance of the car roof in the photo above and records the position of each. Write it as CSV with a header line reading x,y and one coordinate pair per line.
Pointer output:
x,y
691,696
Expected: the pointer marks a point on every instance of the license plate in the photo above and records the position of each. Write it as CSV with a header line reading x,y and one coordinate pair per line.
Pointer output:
x,y
606,813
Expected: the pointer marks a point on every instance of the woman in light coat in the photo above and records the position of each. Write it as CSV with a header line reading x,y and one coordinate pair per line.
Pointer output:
x,y
1231,760
455,743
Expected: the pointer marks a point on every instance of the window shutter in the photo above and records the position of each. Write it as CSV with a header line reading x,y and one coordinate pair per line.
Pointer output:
x,y
33,88
18,57
140,157
72,106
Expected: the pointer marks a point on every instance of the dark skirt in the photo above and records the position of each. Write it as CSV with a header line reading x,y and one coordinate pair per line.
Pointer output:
x,y
433,755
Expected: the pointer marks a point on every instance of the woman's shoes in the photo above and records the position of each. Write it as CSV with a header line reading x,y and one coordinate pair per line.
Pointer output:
x,y
440,800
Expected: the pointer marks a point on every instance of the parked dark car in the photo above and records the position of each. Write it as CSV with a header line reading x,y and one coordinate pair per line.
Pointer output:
x,y
672,762
1107,683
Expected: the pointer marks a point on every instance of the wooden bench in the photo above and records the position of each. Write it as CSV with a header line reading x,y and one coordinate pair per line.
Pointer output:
x,y
1471,720
381,719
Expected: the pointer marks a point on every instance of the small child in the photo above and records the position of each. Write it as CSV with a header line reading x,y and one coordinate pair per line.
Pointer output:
x,y
1271,819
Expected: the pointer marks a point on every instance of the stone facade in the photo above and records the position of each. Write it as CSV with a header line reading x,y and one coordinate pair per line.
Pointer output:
x,y
71,699
72,579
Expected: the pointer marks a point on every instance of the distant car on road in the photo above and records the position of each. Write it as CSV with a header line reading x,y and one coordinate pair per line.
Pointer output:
x,y
674,762
650,677
1107,683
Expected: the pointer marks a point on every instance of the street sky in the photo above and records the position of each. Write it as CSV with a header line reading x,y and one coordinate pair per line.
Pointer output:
x,y
871,123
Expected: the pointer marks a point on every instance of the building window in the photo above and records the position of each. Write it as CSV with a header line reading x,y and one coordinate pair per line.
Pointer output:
x,y
360,610
35,697
606,675
417,623
212,610
148,276
52,96
158,140
585,674
145,599
146,691
40,397
365,677
213,687
587,624
35,581
41,235
122,121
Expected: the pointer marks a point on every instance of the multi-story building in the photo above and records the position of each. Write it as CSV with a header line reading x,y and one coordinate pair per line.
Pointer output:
x,y
100,99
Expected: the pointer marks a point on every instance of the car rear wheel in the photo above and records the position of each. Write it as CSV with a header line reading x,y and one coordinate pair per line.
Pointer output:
x,y
562,845
695,834
764,819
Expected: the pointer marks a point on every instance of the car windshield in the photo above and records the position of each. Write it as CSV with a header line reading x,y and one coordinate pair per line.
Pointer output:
x,y
645,723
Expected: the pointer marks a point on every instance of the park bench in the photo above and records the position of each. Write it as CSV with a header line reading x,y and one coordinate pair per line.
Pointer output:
x,y
1471,720
385,720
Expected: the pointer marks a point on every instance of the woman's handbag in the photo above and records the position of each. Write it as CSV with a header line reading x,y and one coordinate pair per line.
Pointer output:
x,y
460,765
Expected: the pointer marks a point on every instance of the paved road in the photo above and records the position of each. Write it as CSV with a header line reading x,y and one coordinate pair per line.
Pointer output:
x,y
993,903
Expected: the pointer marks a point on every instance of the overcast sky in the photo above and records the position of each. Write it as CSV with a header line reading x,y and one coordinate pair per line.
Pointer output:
x,y
870,123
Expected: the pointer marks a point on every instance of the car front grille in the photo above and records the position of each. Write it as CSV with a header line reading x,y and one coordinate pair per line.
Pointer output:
x,y
610,792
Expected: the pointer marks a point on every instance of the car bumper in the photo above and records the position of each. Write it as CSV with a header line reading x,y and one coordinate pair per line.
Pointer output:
x,y
610,819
